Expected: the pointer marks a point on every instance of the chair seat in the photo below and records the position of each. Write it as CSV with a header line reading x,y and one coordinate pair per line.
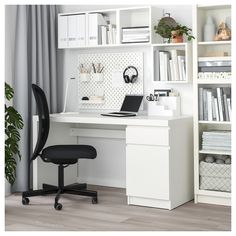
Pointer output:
x,y
68,154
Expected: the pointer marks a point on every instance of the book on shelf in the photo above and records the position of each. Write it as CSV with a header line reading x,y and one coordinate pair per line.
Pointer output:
x,y
171,65
174,56
157,65
95,20
215,104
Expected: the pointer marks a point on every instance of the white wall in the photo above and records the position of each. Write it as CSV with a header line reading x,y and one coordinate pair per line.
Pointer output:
x,y
182,14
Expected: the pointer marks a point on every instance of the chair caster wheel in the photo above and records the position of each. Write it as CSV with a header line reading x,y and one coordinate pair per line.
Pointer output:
x,y
58,206
94,200
25,201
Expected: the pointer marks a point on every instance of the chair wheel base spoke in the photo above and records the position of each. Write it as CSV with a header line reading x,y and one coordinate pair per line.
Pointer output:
x,y
94,200
25,201
58,206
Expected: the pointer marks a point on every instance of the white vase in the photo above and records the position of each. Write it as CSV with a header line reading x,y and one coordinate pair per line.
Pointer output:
x,y
7,188
209,30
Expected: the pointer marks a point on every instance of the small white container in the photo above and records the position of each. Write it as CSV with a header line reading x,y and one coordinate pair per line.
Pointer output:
x,y
98,77
165,106
84,77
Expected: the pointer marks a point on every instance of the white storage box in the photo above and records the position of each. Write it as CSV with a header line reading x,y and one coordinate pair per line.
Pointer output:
x,y
215,176
165,106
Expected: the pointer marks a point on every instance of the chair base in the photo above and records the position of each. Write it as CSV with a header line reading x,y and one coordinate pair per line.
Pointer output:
x,y
76,189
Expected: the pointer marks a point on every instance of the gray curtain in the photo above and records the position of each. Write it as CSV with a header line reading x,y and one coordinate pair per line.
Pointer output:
x,y
35,62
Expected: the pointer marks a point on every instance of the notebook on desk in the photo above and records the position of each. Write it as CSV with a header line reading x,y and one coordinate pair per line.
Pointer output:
x,y
129,107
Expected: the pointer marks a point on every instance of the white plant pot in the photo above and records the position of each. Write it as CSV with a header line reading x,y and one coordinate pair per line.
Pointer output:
x,y
7,188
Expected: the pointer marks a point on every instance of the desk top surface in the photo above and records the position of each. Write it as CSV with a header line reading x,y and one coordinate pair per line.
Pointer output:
x,y
96,118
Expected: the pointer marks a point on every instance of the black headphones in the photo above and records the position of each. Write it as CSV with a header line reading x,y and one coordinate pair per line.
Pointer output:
x,y
132,78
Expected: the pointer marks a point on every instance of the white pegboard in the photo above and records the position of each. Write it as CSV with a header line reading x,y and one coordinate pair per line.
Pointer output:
x,y
111,61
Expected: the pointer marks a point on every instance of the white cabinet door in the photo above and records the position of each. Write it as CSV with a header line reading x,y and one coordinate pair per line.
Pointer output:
x,y
62,32
147,171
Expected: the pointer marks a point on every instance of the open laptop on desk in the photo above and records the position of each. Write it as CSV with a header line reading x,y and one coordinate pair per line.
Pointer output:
x,y
129,107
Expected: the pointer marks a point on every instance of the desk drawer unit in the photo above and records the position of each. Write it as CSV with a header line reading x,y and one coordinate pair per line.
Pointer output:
x,y
147,135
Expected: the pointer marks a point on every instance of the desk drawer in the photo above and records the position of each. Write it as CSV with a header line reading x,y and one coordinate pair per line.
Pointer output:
x,y
147,135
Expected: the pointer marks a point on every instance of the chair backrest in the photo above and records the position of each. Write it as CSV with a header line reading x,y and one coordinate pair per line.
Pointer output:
x,y
44,121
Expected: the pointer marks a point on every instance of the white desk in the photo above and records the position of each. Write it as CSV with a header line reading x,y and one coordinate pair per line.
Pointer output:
x,y
157,155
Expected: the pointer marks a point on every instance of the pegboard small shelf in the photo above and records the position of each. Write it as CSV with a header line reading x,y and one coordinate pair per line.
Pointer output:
x,y
91,102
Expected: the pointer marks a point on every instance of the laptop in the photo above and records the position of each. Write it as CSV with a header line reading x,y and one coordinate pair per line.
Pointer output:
x,y
129,107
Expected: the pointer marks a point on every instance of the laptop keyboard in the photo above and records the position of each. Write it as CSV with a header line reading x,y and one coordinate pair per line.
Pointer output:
x,y
121,113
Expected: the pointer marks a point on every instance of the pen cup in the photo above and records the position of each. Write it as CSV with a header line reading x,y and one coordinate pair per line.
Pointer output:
x,y
84,77
98,77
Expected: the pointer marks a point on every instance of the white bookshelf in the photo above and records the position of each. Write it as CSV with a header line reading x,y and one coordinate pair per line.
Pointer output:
x,y
120,17
200,48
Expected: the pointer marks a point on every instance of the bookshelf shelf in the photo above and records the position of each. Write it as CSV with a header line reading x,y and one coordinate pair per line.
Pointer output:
x,y
214,193
214,81
209,86
214,122
172,82
92,102
169,44
121,45
216,152
215,43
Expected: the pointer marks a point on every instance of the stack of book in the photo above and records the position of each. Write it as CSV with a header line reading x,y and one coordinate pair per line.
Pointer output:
x,y
100,31
171,65
214,67
215,104
140,34
216,140
106,34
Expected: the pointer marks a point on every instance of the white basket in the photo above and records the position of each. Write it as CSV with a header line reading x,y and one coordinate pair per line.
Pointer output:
x,y
215,176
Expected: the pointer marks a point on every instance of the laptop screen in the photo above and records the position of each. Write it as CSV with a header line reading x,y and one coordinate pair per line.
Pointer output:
x,y
131,103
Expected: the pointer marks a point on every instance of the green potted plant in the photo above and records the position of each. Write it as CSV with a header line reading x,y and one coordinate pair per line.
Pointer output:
x,y
178,32
173,32
13,123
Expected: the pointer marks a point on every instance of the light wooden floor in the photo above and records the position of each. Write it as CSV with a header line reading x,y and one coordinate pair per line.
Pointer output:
x,y
111,214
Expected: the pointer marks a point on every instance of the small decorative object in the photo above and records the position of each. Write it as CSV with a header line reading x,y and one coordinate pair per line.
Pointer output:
x,y
220,161
223,33
209,159
209,29
164,25
168,28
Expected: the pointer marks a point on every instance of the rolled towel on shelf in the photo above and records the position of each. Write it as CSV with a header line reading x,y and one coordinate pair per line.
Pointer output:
x,y
209,159
228,161
220,161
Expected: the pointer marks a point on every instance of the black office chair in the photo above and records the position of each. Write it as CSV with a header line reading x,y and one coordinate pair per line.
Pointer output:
x,y
61,155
